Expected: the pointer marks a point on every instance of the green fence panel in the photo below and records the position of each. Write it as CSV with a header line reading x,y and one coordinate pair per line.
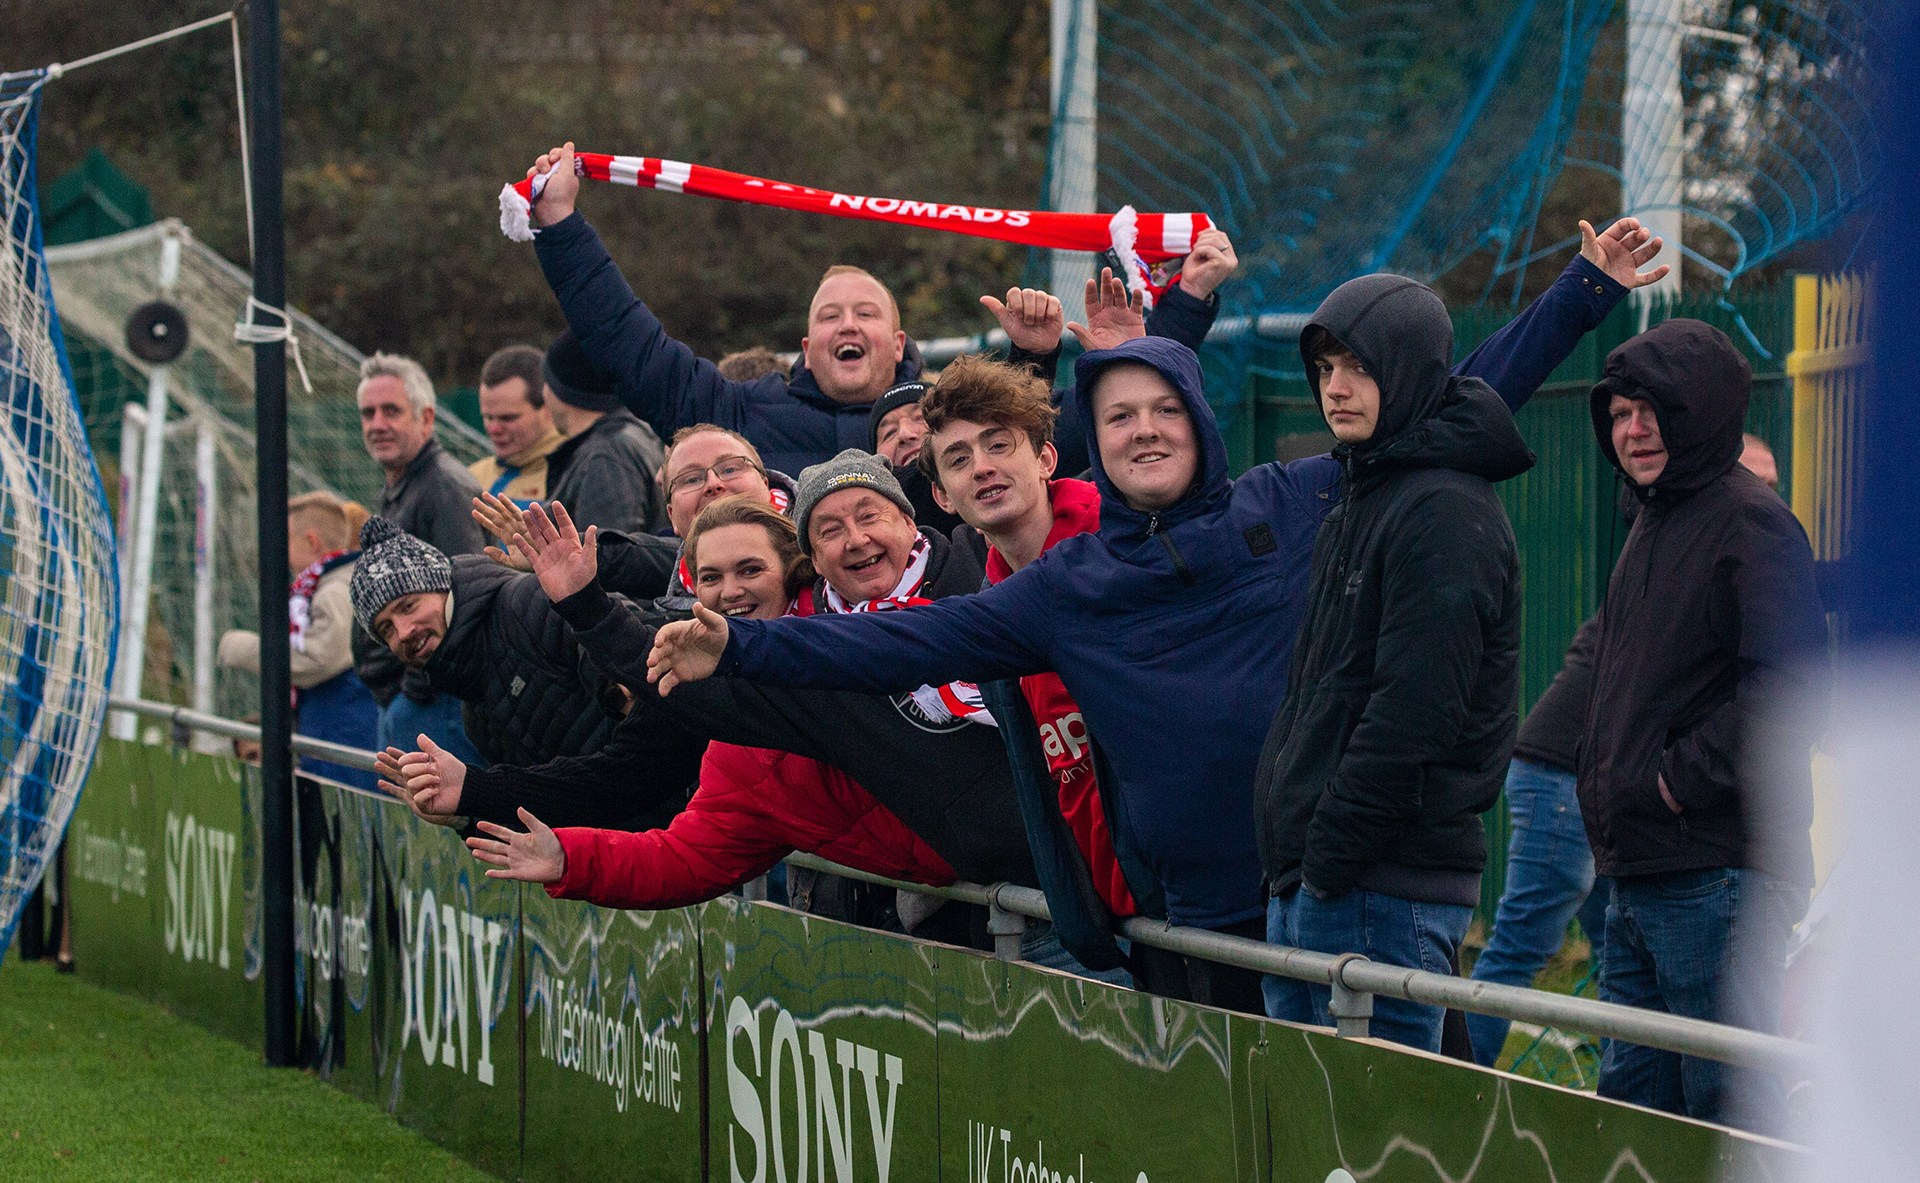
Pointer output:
x,y
446,1048
164,895
737,1041
822,1060
1338,1110
1051,1074
613,1039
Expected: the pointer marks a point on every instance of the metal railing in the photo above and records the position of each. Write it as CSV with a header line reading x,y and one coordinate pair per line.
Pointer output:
x,y
1354,980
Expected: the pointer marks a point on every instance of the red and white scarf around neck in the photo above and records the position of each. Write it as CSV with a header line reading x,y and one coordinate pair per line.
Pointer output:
x,y
300,599
1138,240
955,700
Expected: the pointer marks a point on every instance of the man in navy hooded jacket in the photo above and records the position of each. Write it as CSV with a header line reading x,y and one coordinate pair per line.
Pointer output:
x,y
854,350
1171,626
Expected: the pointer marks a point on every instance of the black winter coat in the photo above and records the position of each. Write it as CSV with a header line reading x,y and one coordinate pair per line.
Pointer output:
x,y
1550,734
516,666
1400,712
1709,670
605,476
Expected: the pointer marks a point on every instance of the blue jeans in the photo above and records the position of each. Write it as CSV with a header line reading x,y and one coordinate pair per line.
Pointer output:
x,y
1040,946
1384,928
403,719
1549,876
1707,945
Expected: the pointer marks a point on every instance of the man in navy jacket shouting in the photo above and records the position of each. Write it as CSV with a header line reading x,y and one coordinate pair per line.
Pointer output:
x,y
1172,625
854,350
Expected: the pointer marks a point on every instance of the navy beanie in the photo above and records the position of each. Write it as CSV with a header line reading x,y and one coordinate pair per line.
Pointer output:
x,y
573,379
905,394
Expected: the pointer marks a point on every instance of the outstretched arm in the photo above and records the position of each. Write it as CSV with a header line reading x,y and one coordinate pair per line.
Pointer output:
x,y
719,842
1524,352
658,378
646,764
1001,632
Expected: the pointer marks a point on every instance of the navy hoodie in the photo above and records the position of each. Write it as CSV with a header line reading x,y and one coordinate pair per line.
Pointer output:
x,y
1173,631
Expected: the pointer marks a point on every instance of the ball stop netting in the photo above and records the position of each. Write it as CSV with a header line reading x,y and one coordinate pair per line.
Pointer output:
x,y
58,580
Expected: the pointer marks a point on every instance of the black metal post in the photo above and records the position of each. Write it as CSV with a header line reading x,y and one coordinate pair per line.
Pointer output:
x,y
270,407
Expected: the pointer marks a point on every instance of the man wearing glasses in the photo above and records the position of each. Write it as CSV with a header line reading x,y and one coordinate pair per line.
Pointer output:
x,y
704,463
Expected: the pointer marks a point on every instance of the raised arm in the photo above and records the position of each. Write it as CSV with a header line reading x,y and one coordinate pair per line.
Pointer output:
x,y
637,566
615,634
658,378
1521,355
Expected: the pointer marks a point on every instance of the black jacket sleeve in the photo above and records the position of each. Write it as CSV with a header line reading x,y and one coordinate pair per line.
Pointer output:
x,y
1045,366
1778,631
615,635
1442,588
648,765
637,566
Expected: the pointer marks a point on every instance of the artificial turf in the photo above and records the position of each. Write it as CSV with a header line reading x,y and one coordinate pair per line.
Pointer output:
x,y
98,1086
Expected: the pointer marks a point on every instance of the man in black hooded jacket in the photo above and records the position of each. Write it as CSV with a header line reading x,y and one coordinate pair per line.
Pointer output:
x,y
1399,717
1694,774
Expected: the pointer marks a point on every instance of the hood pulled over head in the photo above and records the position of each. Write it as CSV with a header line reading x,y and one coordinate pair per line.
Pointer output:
x,y
1429,417
1181,368
1698,384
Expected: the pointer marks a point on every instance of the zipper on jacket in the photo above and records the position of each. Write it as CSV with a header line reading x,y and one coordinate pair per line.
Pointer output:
x,y
1180,567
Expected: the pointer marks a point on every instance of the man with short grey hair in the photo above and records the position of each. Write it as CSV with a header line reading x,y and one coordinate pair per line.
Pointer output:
x,y
428,494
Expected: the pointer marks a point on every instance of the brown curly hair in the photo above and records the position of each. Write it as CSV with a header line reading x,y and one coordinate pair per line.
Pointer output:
x,y
978,389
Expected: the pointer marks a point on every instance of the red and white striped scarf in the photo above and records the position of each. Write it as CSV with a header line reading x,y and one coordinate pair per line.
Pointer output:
x,y
300,598
942,704
1139,240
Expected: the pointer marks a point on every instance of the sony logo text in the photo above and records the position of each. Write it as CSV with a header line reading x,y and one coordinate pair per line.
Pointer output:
x,y
437,940
199,868
828,1122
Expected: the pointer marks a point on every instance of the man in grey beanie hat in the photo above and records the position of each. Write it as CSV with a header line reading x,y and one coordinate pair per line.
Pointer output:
x,y
485,635
851,469
399,590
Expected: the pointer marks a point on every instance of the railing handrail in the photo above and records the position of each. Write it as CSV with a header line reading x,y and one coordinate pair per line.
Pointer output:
x,y
1346,972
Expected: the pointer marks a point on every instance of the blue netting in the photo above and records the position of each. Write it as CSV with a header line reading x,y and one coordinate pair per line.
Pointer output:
x,y
58,603
1779,126
1332,140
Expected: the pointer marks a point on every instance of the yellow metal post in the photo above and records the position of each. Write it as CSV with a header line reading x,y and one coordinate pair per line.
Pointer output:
x,y
1806,333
